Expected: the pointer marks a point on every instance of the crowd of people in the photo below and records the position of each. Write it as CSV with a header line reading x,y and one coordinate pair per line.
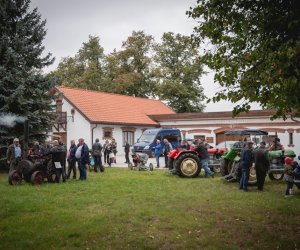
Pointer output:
x,y
65,160
106,155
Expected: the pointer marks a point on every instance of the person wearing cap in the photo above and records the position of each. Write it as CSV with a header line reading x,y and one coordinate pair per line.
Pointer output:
x,y
13,155
262,164
246,162
288,176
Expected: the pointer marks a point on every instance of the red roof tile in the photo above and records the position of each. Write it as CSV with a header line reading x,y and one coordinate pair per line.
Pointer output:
x,y
102,107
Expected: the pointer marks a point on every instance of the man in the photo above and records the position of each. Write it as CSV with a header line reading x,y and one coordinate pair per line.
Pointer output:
x,y
82,156
246,162
14,154
45,149
58,154
97,155
262,165
72,160
106,159
203,155
166,149
127,150
276,145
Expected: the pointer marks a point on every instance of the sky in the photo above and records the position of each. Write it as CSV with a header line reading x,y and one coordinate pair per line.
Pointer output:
x,y
70,22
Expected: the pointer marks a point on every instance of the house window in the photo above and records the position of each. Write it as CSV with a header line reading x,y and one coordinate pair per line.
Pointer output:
x,y
128,135
291,139
107,133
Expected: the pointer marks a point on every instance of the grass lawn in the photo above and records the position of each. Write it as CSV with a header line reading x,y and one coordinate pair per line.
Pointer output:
x,y
122,209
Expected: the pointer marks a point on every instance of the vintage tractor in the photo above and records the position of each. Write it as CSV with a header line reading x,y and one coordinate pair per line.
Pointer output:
x,y
34,169
187,162
230,161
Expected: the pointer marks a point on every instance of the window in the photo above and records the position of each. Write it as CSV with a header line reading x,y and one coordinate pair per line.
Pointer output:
x,y
107,133
129,137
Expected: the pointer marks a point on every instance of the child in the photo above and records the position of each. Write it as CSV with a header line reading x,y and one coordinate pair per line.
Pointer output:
x,y
288,176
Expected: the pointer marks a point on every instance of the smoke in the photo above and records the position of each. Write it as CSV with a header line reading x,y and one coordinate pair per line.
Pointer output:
x,y
10,120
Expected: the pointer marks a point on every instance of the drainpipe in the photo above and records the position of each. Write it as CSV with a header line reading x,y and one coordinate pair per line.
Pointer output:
x,y
93,133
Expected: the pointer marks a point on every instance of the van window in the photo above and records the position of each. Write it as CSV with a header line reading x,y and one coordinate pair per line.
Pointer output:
x,y
147,138
172,137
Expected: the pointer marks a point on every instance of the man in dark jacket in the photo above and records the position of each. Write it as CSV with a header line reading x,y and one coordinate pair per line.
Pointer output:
x,y
97,155
58,154
82,156
126,150
166,149
13,155
203,156
262,165
246,162
72,160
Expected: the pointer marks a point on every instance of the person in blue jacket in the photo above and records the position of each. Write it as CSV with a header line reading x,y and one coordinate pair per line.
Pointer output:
x,y
246,162
158,152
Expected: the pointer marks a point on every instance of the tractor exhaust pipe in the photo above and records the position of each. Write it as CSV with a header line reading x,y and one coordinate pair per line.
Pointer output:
x,y
26,138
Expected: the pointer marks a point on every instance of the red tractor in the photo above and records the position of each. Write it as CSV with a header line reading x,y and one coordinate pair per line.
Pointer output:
x,y
187,163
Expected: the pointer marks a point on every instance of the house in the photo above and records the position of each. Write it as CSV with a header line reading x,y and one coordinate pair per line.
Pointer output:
x,y
212,125
91,114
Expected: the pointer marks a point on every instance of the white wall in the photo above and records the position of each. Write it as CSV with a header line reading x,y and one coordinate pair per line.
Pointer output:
x,y
79,128
117,133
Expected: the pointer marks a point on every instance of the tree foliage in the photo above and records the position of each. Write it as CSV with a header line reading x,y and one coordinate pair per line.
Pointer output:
x,y
178,73
85,69
254,49
24,91
129,69
170,70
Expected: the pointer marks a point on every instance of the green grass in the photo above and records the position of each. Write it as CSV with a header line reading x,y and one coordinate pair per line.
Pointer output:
x,y
122,209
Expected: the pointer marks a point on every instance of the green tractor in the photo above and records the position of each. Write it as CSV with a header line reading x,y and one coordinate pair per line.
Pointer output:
x,y
230,162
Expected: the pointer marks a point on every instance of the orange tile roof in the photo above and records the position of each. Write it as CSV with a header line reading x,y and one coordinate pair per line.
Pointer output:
x,y
102,107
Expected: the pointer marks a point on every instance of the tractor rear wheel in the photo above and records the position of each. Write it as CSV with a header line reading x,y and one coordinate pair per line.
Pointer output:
x,y
27,168
14,178
252,176
224,167
188,165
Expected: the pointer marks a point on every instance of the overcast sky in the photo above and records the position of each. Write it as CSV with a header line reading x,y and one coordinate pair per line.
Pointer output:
x,y
70,22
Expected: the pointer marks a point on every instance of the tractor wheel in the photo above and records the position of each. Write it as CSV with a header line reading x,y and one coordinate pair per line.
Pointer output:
x,y
151,167
37,178
27,168
224,167
216,168
52,177
130,167
252,176
276,177
188,165
14,178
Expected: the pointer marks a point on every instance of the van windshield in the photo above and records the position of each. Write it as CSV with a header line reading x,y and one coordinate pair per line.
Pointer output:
x,y
147,138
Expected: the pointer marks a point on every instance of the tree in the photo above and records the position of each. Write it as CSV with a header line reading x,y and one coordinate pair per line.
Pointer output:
x,y
86,69
24,91
178,71
255,51
129,69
